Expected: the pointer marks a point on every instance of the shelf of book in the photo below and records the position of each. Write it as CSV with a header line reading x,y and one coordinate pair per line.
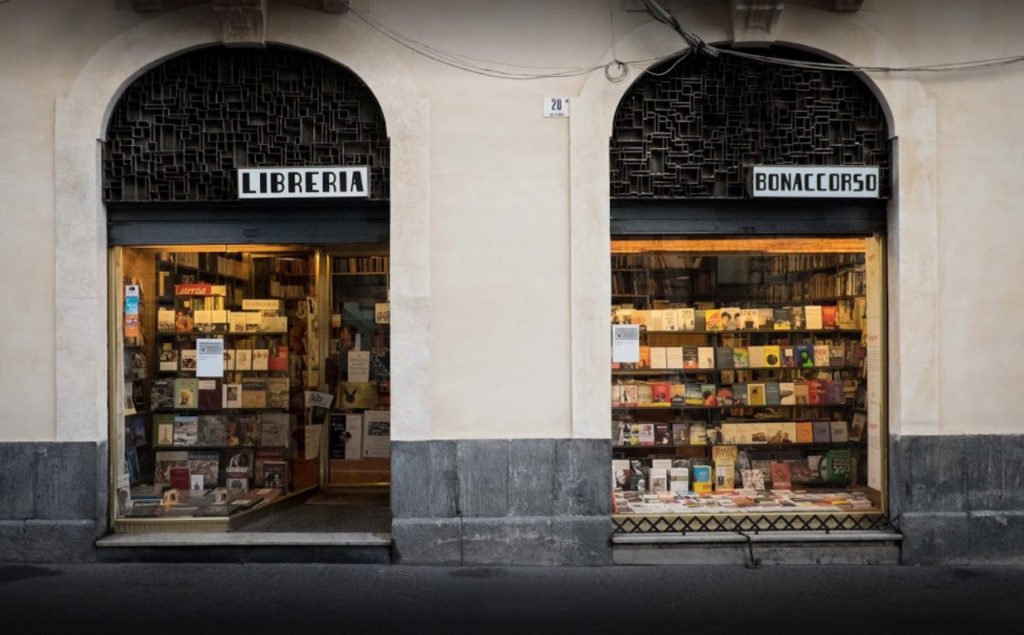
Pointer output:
x,y
174,267
733,407
655,372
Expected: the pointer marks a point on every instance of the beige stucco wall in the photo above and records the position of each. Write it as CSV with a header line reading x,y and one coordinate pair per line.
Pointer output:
x,y
499,218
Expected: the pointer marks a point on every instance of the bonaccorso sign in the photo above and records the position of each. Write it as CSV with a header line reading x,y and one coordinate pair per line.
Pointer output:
x,y
320,182
785,181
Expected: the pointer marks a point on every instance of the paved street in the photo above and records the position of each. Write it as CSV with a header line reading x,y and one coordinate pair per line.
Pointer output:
x,y
305,598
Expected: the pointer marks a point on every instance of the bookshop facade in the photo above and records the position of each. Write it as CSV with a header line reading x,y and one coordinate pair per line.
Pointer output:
x,y
270,259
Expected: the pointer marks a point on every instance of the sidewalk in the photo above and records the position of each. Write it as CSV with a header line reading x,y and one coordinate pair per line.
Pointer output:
x,y
189,599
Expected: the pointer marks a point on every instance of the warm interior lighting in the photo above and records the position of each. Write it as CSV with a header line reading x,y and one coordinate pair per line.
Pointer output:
x,y
741,245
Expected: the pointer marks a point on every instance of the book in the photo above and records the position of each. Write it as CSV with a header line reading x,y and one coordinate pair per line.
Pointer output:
x,y
812,318
236,322
629,395
739,394
815,392
686,319
741,357
662,434
679,480
698,433
345,440
765,318
659,359
821,355
804,432
774,432
787,394
165,321
804,356
834,393
644,395
277,392
772,356
669,320
755,394
254,393
757,359
232,397
229,359
243,359
829,317
274,430
674,357
163,429
243,430
655,320
705,357
236,485
275,475
758,433
161,394
210,394
680,434
730,433
206,465
789,359
713,320
691,357
780,475
694,396
748,319
723,395
839,431
709,394
645,357
168,358
376,434
800,394
782,319
179,478
857,426
646,433
724,458
702,482
836,354
260,359
186,431
186,391
212,430
187,360
789,432
730,318
239,462
772,394
752,479
620,474
723,357
677,395
822,431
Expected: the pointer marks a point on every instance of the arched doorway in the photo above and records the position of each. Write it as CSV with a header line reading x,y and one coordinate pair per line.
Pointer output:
x,y
748,299
247,205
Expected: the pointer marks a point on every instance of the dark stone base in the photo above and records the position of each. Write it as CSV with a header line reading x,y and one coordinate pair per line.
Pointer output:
x,y
242,554
502,502
958,499
53,506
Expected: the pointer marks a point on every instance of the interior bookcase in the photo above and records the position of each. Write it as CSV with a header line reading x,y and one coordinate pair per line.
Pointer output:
x,y
757,387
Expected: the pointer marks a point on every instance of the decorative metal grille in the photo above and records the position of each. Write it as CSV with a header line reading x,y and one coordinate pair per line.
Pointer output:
x,y
698,130
753,523
181,130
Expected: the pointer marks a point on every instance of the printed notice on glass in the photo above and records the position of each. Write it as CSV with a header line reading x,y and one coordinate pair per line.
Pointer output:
x,y
316,399
313,434
359,366
625,343
209,358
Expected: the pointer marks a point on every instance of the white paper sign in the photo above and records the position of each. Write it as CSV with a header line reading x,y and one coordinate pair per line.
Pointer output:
x,y
625,343
359,366
209,358
313,436
316,399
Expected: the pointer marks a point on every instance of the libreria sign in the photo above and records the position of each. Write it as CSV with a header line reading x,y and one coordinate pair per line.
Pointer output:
x,y
322,182
815,182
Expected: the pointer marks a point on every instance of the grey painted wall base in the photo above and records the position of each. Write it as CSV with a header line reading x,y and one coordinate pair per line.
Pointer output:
x,y
837,553
502,502
958,499
53,506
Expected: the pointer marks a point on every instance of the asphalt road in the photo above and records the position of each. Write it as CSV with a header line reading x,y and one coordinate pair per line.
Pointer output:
x,y
186,599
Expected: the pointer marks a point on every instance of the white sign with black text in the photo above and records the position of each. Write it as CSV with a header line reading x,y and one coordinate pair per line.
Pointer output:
x,y
320,182
557,107
787,181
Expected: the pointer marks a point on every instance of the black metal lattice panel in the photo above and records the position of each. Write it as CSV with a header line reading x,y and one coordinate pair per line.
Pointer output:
x,y
182,129
697,130
749,523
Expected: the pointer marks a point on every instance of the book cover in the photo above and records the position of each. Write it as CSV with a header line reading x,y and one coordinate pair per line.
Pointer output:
x,y
822,431
741,357
857,426
275,475
756,354
723,357
815,392
674,357
183,321
253,321
163,429
758,433
229,359
838,466
705,357
834,392
239,462
662,434
713,320
691,357
796,313
782,319
755,394
805,355
243,430
730,318
165,321
179,478
659,358
236,485
765,318
168,358
694,396
702,481
187,360
658,483
616,395
254,393
698,433
829,317
260,359
211,395
669,320
739,395
186,430
205,465
789,359
724,395
839,431
789,432
752,479
277,392
774,432
645,357
780,476
236,322
161,394
772,356
202,320
729,433
346,436
679,479
232,397
644,394
629,395
274,430
800,394
787,394
243,359
748,319
741,434
821,355
655,320
813,318
686,319
213,430
836,355
772,394
274,324
620,474
680,434
646,434
804,432
709,394
376,434
186,391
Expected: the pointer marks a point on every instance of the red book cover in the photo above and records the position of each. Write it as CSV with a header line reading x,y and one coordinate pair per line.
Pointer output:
x,y
829,317
195,288
180,478
815,392
661,392
780,476
278,359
